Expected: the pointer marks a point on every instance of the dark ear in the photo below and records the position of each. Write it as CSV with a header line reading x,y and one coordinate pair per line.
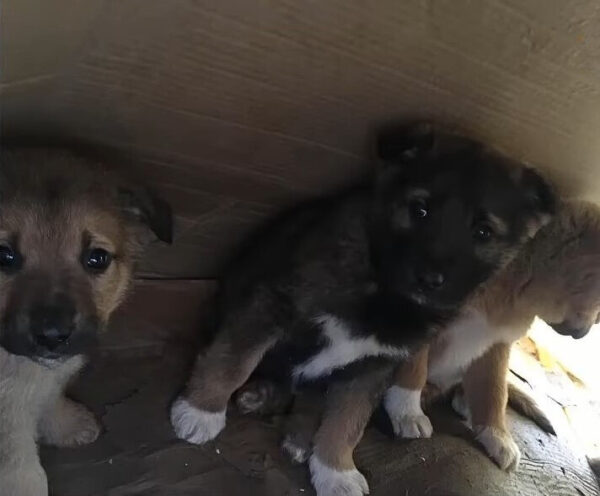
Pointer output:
x,y
148,209
396,143
540,192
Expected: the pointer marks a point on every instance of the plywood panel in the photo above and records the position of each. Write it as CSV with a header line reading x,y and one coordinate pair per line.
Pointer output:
x,y
251,106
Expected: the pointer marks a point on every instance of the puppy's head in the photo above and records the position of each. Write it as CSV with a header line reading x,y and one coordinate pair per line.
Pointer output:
x,y
567,268
448,213
69,236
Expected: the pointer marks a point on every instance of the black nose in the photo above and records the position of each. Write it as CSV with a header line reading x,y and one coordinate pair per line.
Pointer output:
x,y
431,279
566,329
51,326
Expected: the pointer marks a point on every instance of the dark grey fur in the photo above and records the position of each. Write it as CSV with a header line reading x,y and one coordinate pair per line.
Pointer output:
x,y
358,258
344,256
339,289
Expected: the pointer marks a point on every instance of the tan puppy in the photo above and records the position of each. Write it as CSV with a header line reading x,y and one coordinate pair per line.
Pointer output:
x,y
556,277
68,240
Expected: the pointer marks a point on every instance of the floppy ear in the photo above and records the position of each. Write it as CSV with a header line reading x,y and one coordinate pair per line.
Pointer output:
x,y
541,198
400,143
148,209
540,192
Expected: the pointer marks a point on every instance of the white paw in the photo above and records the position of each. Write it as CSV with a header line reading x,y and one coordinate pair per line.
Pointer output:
x,y
194,425
500,447
403,406
412,426
330,482
71,425
297,453
85,429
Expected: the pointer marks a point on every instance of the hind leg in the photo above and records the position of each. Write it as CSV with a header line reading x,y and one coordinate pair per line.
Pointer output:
x,y
348,410
263,397
403,400
198,415
302,424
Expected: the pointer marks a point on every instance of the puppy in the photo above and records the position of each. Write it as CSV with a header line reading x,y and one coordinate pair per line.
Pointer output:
x,y
340,290
556,277
69,236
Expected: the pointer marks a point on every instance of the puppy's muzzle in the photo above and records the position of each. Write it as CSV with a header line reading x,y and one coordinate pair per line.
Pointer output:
x,y
566,328
52,326
49,331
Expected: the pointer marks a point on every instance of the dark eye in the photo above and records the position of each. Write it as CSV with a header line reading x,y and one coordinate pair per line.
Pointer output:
x,y
8,258
97,259
482,232
418,208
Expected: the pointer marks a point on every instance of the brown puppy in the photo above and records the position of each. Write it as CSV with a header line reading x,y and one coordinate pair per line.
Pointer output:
x,y
556,277
68,240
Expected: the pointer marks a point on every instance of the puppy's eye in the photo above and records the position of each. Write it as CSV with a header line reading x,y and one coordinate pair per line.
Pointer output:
x,y
418,208
96,260
482,232
8,258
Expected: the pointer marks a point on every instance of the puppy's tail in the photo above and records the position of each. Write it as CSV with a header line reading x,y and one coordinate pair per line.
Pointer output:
x,y
527,406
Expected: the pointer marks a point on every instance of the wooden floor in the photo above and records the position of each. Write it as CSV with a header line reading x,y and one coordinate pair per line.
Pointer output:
x,y
142,364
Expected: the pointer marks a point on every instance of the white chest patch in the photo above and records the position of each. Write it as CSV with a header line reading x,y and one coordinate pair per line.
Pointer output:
x,y
342,349
469,337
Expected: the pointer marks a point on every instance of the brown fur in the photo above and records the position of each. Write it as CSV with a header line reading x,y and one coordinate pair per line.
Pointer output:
x,y
341,429
412,373
523,402
348,410
484,387
50,225
54,208
556,277
218,373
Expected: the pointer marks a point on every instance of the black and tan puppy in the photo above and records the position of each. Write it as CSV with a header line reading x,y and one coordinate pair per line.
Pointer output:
x,y
68,240
340,290
556,277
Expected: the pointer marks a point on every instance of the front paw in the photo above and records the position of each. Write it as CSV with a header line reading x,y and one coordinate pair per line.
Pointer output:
x,y
194,425
403,407
328,481
500,446
24,481
85,429
412,426
71,424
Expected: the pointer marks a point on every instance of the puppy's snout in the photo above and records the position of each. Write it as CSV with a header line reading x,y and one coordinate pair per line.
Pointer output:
x,y
567,328
52,325
431,279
